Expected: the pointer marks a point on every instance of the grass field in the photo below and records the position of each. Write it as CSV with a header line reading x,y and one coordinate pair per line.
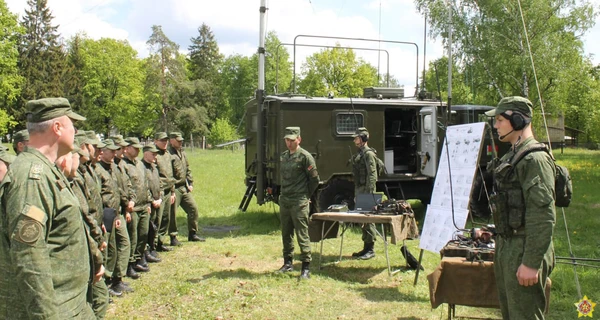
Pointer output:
x,y
230,276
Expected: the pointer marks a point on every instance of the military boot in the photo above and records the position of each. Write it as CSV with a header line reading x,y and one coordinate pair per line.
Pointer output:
x,y
118,286
192,236
131,271
162,248
111,291
287,266
152,258
175,242
139,267
143,261
361,252
305,272
368,252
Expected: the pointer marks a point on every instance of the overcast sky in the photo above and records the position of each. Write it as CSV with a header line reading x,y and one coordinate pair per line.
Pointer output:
x,y
235,24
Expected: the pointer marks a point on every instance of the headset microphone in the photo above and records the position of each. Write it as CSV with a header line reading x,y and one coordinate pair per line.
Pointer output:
x,y
505,135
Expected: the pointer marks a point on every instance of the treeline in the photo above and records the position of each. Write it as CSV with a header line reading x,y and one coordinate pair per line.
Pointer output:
x,y
204,92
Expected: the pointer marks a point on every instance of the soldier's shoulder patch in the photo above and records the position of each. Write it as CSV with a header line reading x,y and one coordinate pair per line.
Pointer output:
x,y
28,231
35,172
34,213
310,167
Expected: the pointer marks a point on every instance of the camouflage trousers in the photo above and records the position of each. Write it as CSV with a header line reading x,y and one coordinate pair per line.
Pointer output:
x,y
119,249
517,301
99,299
189,206
163,216
294,217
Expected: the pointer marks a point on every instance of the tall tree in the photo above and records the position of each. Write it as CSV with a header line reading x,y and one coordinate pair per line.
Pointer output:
x,y
239,82
338,71
41,56
74,80
10,80
278,68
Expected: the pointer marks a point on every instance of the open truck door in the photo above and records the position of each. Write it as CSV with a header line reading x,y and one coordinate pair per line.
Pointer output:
x,y
429,141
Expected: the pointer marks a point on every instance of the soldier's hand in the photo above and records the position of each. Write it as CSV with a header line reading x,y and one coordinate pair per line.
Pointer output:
x,y
172,198
98,276
527,276
103,229
103,245
128,217
130,206
191,188
149,210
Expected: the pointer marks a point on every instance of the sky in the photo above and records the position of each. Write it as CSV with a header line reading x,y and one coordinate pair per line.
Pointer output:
x,y
235,24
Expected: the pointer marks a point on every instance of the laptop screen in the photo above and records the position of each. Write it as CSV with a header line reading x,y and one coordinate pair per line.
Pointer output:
x,y
366,201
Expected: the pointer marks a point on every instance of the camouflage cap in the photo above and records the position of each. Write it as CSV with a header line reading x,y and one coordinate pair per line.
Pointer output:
x,y
81,137
109,144
119,141
176,135
516,103
151,148
21,136
362,131
133,142
161,136
100,145
92,138
50,108
7,157
292,133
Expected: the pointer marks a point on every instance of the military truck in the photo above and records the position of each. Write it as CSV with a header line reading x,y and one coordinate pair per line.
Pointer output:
x,y
407,134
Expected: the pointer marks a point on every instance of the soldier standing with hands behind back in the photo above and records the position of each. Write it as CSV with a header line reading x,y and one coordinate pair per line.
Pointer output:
x,y
524,215
364,172
299,181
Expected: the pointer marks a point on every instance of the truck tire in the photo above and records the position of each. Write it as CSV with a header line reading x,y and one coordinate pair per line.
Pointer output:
x,y
336,192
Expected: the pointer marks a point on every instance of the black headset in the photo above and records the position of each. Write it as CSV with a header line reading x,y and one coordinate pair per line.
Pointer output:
x,y
363,137
517,120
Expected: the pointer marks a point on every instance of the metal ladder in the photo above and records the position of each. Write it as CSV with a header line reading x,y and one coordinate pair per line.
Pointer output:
x,y
248,195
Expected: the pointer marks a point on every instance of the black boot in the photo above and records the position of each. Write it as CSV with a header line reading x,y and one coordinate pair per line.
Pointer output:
x,y
118,286
192,236
139,267
305,272
368,252
152,258
287,266
162,248
361,252
111,291
143,261
131,272
175,242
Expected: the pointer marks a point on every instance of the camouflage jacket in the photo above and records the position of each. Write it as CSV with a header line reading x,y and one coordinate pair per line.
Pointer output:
x,y
153,179
364,170
95,233
109,190
44,253
181,170
92,186
126,190
299,176
165,171
139,184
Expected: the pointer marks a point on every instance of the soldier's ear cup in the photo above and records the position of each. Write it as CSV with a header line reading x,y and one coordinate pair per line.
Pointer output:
x,y
364,138
518,121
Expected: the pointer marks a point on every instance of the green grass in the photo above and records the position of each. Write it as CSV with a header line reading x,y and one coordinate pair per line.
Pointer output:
x,y
230,276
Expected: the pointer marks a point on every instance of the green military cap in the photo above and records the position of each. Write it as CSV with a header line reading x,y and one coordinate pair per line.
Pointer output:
x,y
81,137
92,138
176,135
100,145
50,108
160,136
109,144
362,131
7,157
20,136
133,142
151,147
118,139
516,103
292,133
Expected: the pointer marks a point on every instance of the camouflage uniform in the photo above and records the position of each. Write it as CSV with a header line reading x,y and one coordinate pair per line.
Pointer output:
x,y
524,216
183,180
44,255
364,172
20,136
167,184
299,180
153,180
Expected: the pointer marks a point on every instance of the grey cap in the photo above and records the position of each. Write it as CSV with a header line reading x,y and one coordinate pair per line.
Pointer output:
x,y
292,133
516,103
176,135
133,142
50,108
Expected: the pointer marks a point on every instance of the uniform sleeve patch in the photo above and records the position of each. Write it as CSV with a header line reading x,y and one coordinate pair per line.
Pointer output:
x,y
310,167
36,171
28,231
34,213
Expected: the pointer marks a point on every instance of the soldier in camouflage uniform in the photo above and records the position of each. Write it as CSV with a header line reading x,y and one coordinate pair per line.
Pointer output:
x,y
20,141
119,246
167,184
299,180
44,254
140,217
364,172
157,195
524,215
184,184
5,160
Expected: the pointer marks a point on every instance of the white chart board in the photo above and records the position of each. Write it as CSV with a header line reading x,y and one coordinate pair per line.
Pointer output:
x,y
463,145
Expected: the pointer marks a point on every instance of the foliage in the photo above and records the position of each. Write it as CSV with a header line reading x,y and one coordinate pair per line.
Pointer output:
x,y
278,68
222,131
113,91
238,84
10,79
338,71
74,78
6,122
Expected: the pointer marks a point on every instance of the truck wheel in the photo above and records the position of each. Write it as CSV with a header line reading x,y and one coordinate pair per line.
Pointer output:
x,y
336,192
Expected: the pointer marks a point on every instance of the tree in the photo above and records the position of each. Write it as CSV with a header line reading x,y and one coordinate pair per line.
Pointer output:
x,y
278,68
113,91
10,79
238,84
41,56
74,80
338,71
222,131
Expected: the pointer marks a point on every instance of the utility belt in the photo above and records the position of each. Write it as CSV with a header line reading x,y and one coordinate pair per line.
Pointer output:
x,y
508,213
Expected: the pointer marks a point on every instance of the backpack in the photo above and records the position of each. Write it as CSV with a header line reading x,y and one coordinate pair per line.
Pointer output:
x,y
563,185
380,165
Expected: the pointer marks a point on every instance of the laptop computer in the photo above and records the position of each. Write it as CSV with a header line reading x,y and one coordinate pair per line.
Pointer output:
x,y
366,201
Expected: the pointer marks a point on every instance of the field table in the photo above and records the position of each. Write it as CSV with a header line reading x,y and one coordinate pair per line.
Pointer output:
x,y
402,227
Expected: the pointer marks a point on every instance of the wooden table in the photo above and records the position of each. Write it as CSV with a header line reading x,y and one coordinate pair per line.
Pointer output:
x,y
402,227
